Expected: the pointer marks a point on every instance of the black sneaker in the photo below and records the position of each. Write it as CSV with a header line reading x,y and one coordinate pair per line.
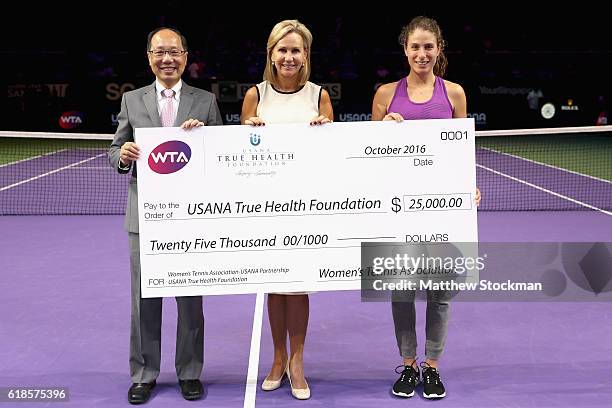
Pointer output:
x,y
405,385
432,386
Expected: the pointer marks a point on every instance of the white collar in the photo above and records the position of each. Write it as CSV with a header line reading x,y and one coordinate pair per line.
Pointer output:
x,y
176,88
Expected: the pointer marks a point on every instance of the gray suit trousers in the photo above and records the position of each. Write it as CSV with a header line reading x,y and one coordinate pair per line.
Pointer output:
x,y
145,333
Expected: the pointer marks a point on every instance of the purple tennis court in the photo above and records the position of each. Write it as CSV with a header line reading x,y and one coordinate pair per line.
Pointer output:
x,y
65,317
65,322
65,308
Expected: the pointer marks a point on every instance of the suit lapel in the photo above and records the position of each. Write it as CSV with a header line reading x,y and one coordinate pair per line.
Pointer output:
x,y
184,104
150,101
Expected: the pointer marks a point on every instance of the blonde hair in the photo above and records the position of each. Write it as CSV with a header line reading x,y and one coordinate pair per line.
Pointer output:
x,y
279,31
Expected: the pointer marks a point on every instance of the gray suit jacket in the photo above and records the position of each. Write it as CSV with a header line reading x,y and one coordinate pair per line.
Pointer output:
x,y
139,109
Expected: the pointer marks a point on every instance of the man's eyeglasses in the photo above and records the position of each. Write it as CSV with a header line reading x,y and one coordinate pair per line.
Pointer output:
x,y
159,54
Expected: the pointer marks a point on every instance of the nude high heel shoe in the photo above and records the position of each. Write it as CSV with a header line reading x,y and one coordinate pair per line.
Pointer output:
x,y
298,393
271,385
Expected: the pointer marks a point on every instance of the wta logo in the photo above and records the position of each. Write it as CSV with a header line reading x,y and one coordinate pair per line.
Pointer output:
x,y
71,119
169,157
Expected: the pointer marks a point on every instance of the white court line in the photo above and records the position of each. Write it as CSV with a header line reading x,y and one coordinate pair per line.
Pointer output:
x,y
545,190
32,158
251,383
547,165
51,172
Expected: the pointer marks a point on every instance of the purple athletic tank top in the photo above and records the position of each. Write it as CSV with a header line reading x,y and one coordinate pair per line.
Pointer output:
x,y
438,107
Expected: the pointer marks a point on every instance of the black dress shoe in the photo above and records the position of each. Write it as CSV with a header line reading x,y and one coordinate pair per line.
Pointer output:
x,y
191,389
139,393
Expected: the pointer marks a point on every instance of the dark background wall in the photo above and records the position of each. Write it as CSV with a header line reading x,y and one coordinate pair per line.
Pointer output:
x,y
74,61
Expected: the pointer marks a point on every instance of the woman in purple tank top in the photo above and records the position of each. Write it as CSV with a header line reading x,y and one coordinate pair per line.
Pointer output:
x,y
423,94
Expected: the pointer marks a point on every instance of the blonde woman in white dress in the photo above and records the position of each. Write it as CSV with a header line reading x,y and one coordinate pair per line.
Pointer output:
x,y
286,96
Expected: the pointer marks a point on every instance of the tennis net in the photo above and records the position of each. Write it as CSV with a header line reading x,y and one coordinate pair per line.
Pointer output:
x,y
517,170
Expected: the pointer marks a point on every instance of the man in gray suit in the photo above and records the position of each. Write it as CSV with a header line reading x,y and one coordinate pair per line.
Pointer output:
x,y
168,102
